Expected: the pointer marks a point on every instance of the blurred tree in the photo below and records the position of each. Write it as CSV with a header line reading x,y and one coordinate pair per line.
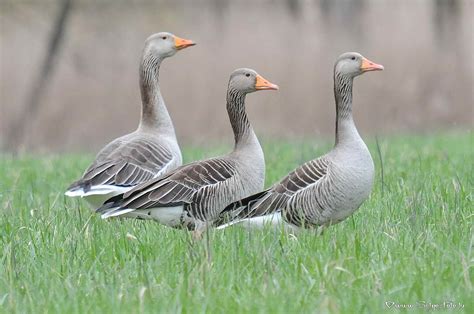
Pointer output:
x,y
446,17
16,137
346,13
294,7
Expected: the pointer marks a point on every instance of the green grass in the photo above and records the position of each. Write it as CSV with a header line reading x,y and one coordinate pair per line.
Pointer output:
x,y
411,241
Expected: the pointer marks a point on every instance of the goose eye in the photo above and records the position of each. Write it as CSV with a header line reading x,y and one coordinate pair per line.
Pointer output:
x,y
353,58
164,37
247,75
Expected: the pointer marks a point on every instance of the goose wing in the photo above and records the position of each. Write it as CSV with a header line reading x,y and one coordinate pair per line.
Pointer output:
x,y
126,163
277,197
193,183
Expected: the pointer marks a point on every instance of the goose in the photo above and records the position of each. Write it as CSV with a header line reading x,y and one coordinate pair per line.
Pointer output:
x,y
323,191
150,151
193,195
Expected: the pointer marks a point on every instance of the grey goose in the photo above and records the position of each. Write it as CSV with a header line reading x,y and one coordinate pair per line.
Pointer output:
x,y
150,151
325,190
193,195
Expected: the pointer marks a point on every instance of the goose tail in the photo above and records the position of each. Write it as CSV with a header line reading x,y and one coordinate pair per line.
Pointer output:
x,y
235,211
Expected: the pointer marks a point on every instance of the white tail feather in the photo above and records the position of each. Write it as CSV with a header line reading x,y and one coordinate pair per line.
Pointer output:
x,y
259,222
98,194
114,212
74,193
99,190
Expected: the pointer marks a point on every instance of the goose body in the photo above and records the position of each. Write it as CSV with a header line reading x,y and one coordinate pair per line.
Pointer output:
x,y
194,195
127,161
147,153
325,190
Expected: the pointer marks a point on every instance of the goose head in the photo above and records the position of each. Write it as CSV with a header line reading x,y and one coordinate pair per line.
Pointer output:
x,y
165,44
248,81
353,64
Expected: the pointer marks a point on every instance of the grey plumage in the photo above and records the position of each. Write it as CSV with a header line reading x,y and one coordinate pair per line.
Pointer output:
x,y
152,150
325,190
126,161
197,193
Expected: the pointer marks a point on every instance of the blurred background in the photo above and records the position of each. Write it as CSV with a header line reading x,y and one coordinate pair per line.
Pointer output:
x,y
69,68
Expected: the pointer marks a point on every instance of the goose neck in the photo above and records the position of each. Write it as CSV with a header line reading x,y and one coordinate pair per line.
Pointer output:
x,y
345,127
154,115
243,131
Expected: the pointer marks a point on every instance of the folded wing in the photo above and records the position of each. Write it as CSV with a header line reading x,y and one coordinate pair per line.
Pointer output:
x,y
125,164
188,184
278,197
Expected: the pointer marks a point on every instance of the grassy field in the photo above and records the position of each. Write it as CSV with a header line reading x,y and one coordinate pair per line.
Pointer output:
x,y
412,241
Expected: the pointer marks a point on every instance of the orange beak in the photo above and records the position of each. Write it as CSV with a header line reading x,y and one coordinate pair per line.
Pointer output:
x,y
181,43
263,84
368,65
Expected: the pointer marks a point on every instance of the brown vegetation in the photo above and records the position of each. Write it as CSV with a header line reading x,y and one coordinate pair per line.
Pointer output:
x,y
92,95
